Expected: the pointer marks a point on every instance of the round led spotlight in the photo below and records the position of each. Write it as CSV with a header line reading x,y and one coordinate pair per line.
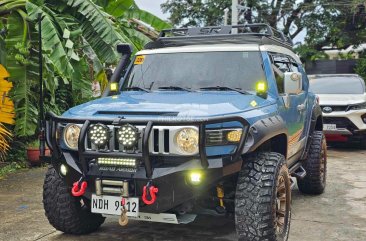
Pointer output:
x,y
99,134
128,135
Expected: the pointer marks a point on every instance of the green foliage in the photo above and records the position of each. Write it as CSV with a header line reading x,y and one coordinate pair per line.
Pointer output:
x,y
327,22
11,168
79,40
52,43
135,13
308,53
22,68
361,68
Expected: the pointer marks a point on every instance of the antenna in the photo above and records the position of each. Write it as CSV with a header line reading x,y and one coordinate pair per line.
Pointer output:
x,y
41,100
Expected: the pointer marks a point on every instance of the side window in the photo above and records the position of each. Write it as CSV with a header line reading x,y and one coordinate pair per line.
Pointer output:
x,y
280,65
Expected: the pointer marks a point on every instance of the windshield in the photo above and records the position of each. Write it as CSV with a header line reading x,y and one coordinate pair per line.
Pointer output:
x,y
193,71
337,85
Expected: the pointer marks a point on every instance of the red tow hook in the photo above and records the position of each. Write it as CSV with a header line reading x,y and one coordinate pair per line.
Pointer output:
x,y
152,191
79,188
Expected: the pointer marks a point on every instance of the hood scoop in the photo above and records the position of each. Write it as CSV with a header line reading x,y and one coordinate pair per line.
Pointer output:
x,y
136,113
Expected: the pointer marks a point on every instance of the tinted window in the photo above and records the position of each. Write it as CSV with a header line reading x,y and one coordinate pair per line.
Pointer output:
x,y
337,85
196,70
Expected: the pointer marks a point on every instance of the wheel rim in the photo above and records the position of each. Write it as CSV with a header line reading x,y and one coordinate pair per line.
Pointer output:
x,y
323,161
281,205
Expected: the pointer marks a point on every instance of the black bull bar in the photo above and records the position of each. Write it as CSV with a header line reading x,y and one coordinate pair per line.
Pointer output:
x,y
52,121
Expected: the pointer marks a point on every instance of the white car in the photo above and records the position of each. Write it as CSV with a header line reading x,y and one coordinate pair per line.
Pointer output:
x,y
342,98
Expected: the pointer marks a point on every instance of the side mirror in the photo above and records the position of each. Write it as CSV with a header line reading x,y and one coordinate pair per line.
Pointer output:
x,y
292,82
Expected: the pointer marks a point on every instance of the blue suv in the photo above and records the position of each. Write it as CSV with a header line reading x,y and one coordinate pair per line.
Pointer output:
x,y
215,121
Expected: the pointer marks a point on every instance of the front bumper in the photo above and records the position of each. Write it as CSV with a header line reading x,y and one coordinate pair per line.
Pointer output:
x,y
348,123
171,180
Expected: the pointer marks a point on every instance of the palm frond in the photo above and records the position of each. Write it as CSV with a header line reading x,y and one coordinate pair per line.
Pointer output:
x,y
6,105
52,43
22,74
5,137
148,18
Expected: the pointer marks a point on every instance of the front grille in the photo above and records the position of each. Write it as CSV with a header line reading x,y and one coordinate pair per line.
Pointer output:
x,y
214,138
161,140
341,122
336,107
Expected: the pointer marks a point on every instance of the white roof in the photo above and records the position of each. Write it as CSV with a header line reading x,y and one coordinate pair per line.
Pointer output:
x,y
219,48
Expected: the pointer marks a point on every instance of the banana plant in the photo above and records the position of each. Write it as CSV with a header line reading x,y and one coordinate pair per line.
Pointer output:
x,y
6,112
79,41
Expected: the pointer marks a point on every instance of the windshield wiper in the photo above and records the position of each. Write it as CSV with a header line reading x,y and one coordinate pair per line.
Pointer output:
x,y
174,88
136,88
222,88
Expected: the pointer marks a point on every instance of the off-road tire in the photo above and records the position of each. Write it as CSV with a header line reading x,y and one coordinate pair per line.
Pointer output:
x,y
256,198
65,212
315,166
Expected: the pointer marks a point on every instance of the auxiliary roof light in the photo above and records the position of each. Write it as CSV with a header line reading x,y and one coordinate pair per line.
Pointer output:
x,y
128,135
99,134
114,86
261,86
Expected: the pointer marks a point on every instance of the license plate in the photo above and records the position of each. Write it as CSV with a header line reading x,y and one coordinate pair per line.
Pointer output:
x,y
330,127
113,205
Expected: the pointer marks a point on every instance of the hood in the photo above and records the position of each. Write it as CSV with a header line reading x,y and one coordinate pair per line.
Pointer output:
x,y
341,100
136,104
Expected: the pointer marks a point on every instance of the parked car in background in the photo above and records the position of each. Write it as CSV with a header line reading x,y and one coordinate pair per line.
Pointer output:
x,y
343,101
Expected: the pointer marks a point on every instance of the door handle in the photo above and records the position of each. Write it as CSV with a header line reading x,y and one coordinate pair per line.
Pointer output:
x,y
301,107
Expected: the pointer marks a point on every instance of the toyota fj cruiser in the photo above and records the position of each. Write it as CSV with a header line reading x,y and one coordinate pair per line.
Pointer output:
x,y
214,120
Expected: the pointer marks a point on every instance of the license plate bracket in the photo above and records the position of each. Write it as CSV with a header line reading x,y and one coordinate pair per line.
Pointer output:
x,y
112,205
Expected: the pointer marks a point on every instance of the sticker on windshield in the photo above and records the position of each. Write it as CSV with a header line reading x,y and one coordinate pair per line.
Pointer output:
x,y
139,59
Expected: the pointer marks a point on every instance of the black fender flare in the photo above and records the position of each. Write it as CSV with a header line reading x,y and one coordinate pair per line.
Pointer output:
x,y
264,130
316,122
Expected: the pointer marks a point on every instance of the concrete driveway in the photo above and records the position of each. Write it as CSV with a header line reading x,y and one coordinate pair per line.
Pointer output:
x,y
338,214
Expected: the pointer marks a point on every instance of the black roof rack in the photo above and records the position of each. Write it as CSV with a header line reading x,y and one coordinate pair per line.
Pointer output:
x,y
258,33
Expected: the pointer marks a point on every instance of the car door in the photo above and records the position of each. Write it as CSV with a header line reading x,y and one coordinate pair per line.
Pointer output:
x,y
294,107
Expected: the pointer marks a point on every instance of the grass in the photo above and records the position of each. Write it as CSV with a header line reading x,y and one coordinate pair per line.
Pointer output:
x,y
11,167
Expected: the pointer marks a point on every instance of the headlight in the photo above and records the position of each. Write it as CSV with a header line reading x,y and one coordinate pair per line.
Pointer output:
x,y
71,136
128,135
358,107
99,134
187,140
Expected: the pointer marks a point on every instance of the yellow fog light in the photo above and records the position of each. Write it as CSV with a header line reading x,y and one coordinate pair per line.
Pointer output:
x,y
234,136
63,169
195,177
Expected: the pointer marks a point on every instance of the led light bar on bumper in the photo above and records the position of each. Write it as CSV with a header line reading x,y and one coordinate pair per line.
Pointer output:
x,y
123,162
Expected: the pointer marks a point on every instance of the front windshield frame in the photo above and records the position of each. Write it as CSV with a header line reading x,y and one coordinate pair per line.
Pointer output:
x,y
258,71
